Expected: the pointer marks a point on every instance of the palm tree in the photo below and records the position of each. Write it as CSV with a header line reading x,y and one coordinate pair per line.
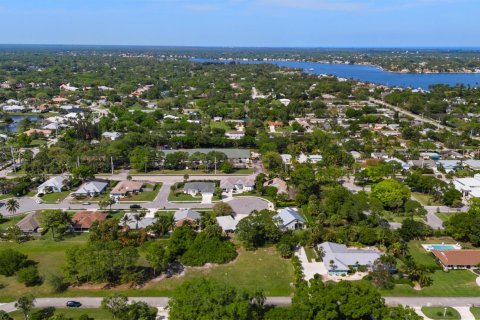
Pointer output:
x,y
165,223
125,220
12,206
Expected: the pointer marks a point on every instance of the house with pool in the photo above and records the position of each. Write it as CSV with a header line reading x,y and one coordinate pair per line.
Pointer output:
x,y
458,259
338,259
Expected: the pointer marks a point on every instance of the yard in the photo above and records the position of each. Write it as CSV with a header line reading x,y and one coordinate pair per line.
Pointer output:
x,y
145,195
445,216
460,283
252,270
173,196
74,313
425,199
476,312
55,197
441,313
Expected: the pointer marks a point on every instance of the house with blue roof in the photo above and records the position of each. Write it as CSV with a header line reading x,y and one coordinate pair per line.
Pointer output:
x,y
289,219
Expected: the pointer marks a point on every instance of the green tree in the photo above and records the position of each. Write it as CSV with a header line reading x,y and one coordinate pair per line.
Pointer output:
x,y
222,209
106,202
55,221
207,299
391,193
141,158
116,304
227,167
257,229
164,223
83,172
11,261
29,276
25,304
12,205
5,316
156,256
272,161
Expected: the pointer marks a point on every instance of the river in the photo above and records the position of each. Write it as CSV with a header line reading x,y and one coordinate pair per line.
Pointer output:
x,y
371,73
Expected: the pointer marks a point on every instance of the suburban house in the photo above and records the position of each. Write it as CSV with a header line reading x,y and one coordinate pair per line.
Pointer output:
x,y
235,184
91,189
183,215
194,188
286,159
449,165
43,132
126,187
227,223
312,158
458,259
289,219
468,186
473,164
236,156
112,135
235,135
278,183
30,224
134,221
54,184
82,220
338,259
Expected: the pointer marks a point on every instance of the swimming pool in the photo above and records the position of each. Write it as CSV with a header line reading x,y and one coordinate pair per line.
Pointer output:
x,y
430,247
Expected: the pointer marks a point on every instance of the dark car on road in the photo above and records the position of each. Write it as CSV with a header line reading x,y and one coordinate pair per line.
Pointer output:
x,y
135,206
73,304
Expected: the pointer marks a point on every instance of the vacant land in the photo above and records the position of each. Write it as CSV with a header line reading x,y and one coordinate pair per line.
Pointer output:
x,y
75,313
425,199
55,197
263,269
145,195
441,313
173,196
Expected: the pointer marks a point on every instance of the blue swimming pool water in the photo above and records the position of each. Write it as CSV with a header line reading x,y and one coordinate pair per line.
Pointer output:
x,y
442,247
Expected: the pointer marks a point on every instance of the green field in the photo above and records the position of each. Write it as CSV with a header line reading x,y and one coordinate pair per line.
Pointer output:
x,y
425,199
438,313
445,216
252,270
476,312
75,313
55,197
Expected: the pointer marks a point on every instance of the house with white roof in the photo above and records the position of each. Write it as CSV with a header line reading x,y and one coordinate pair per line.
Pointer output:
x,y
14,108
112,135
449,165
339,260
234,134
312,158
68,87
286,159
289,219
54,184
468,186
473,164
235,184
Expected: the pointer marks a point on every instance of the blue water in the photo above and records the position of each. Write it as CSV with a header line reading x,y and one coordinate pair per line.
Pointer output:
x,y
373,74
13,127
442,247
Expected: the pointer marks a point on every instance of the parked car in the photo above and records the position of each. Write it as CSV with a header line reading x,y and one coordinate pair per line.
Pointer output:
x,y
73,304
135,206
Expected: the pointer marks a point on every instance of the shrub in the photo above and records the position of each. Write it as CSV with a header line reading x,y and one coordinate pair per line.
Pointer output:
x,y
42,314
208,250
29,276
56,283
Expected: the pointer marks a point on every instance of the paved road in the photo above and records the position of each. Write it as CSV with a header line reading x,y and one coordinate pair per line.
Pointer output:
x,y
160,302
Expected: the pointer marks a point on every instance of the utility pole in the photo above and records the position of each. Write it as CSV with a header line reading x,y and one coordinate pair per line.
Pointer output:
x,y
78,161
13,160
215,164
111,163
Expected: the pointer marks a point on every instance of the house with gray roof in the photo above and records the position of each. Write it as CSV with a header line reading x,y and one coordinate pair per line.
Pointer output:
x,y
339,260
449,165
194,188
227,223
289,219
236,184
135,221
30,224
183,215
91,189
54,184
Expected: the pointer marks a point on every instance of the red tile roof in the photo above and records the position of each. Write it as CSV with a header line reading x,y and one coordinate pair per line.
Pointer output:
x,y
85,219
458,257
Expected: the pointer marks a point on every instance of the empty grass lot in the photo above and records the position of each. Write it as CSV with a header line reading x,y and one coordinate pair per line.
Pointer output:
x,y
425,199
183,197
438,313
145,195
252,270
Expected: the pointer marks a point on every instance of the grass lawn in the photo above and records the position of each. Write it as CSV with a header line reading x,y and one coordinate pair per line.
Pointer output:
x,y
5,196
456,283
55,197
425,199
438,313
445,216
6,223
75,313
421,256
476,312
253,270
183,197
311,254
145,195
38,142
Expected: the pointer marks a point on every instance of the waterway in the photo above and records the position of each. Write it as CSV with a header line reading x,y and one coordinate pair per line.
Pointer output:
x,y
371,73
13,126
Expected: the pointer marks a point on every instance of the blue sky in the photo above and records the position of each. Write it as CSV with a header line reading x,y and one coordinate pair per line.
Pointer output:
x,y
260,23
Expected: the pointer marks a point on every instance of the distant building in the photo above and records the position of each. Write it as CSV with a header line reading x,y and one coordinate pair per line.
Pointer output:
x,y
194,188
183,215
54,184
278,183
68,87
126,187
112,135
235,135
227,223
30,224
235,184
468,186
312,158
